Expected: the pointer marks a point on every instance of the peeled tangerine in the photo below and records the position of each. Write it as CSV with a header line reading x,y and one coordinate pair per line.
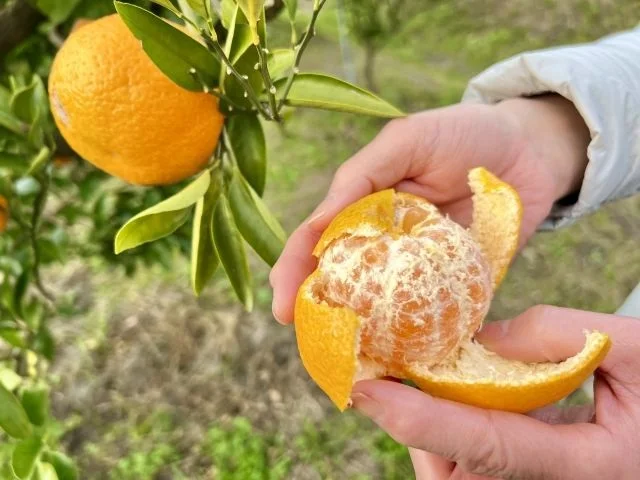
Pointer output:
x,y
400,291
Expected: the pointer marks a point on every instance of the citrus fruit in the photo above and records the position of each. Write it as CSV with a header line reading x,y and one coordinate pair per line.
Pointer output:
x,y
4,213
117,110
400,290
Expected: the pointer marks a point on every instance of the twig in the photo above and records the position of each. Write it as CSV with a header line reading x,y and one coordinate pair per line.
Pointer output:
x,y
216,93
271,89
242,79
300,48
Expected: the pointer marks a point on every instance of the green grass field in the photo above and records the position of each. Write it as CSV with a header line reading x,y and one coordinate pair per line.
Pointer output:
x,y
156,384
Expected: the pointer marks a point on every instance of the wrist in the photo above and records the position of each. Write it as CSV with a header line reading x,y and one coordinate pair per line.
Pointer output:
x,y
559,136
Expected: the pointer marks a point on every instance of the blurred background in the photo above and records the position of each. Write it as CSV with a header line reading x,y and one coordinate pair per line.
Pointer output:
x,y
153,383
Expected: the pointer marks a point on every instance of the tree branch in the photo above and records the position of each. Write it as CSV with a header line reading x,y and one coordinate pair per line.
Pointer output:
x,y
18,20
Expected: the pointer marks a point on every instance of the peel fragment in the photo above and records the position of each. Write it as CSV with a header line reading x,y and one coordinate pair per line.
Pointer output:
x,y
497,219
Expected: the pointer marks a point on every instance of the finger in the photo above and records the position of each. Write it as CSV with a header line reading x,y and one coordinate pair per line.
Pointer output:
x,y
552,334
480,441
428,466
554,415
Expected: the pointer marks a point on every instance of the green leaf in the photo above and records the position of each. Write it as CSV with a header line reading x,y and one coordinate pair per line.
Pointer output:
x,y
227,9
19,290
175,53
232,254
200,7
204,259
13,419
44,471
35,401
161,219
168,5
292,8
241,42
25,455
253,10
280,61
44,343
249,148
245,65
313,90
17,163
57,10
13,337
9,122
64,466
9,379
256,223
39,160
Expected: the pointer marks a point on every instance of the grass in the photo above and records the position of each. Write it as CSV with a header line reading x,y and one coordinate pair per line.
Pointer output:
x,y
167,386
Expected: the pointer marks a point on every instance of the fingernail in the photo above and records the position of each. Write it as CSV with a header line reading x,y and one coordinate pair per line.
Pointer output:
x,y
274,308
315,217
321,210
366,405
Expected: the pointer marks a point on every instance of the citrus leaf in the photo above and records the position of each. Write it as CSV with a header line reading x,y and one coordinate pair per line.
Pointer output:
x,y
199,6
13,336
13,419
44,471
19,290
161,219
9,379
227,9
249,148
280,62
256,223
175,53
168,5
241,42
245,64
292,8
232,253
35,401
13,162
64,466
253,10
11,123
44,343
231,31
204,259
315,90
57,11
25,455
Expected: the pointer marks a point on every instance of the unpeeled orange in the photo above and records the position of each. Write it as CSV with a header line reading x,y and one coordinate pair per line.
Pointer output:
x,y
117,110
400,290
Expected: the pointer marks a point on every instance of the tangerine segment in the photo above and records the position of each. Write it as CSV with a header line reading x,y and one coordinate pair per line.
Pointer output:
x,y
497,219
328,341
369,216
420,289
481,378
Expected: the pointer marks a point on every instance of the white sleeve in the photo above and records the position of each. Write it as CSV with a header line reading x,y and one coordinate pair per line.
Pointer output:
x,y
602,79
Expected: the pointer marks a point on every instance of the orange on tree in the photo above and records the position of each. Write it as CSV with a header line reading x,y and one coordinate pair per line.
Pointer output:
x,y
4,213
400,290
117,110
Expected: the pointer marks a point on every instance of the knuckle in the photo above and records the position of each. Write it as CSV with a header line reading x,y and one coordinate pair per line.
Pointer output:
x,y
486,452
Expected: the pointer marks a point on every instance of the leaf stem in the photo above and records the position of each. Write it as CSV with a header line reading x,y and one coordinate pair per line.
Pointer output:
x,y
299,50
268,82
215,45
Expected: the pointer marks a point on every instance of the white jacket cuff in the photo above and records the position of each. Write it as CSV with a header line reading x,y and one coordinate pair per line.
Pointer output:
x,y
602,79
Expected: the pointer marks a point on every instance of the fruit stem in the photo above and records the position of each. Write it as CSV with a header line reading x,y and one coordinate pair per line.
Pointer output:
x,y
299,50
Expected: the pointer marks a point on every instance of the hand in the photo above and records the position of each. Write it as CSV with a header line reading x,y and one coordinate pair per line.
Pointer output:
x,y
506,445
538,145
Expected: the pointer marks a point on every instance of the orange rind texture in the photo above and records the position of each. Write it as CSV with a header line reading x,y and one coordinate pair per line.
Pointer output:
x,y
328,344
497,219
334,335
511,385
368,217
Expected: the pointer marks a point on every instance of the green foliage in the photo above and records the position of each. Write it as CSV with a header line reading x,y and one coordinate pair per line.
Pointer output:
x,y
241,453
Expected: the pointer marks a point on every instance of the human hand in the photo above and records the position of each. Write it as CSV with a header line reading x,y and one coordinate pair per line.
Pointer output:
x,y
537,145
465,441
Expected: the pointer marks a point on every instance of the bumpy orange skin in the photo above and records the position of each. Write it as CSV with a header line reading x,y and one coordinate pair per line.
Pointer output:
x,y
4,213
117,110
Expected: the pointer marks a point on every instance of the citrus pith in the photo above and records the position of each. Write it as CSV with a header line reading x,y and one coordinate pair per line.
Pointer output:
x,y
400,290
118,111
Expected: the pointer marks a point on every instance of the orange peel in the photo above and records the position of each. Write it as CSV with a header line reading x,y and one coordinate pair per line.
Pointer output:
x,y
400,290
